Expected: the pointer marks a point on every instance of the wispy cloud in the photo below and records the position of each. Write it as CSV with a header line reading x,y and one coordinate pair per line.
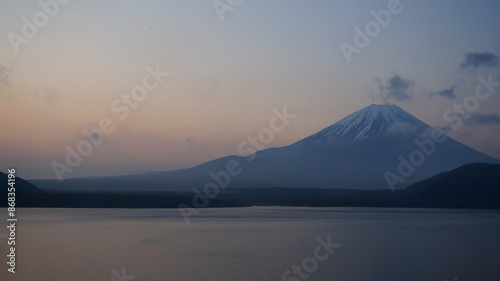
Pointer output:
x,y
478,59
47,95
445,93
396,88
467,134
477,119
191,140
4,78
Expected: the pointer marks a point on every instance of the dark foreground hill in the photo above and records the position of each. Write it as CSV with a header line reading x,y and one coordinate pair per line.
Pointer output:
x,y
469,186
28,195
113,200
22,186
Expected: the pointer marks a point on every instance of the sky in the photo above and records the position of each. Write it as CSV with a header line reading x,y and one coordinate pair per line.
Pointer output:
x,y
216,72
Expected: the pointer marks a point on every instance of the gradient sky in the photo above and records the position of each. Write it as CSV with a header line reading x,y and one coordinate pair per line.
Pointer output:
x,y
227,76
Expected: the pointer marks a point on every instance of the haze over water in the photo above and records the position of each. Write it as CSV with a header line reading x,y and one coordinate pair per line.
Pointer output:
x,y
258,243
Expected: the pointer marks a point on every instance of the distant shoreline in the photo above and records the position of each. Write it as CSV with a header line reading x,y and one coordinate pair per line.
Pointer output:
x,y
244,197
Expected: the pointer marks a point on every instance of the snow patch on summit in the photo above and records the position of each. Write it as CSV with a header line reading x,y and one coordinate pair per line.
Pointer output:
x,y
374,121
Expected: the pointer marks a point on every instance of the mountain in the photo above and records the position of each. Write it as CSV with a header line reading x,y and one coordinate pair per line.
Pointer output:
x,y
22,189
376,142
472,185
377,147
21,186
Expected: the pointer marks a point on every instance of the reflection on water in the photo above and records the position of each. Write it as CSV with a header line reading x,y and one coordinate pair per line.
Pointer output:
x,y
258,243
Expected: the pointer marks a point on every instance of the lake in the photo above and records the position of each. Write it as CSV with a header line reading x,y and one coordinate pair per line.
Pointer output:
x,y
257,243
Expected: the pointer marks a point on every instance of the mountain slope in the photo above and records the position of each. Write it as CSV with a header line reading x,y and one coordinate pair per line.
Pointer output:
x,y
21,186
475,184
22,190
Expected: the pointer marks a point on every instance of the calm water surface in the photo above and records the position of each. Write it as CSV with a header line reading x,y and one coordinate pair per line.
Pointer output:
x,y
258,243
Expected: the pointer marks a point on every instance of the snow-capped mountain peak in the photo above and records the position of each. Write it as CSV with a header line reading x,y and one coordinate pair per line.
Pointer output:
x,y
374,121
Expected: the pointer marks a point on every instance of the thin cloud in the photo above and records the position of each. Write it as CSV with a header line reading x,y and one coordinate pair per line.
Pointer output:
x,y
4,78
396,88
191,140
478,59
97,136
477,119
446,93
47,95
466,135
